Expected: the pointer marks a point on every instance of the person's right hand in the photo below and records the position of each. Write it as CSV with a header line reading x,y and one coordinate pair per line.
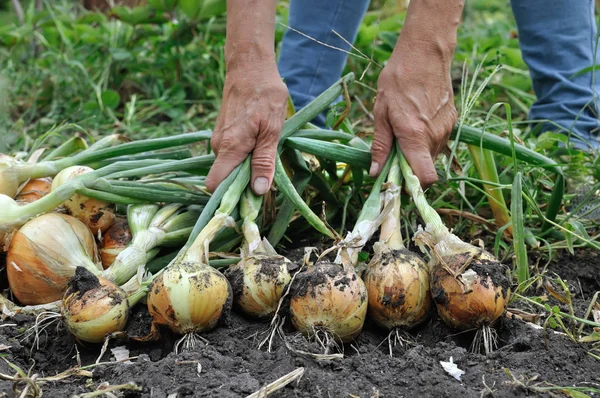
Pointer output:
x,y
250,121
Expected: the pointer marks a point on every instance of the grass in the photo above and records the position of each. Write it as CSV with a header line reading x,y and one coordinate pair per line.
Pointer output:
x,y
73,71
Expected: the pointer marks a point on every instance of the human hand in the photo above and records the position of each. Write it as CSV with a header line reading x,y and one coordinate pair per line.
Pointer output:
x,y
414,105
250,121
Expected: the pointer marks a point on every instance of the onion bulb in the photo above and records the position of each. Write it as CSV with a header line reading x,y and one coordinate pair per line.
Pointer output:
x,y
9,180
189,297
96,214
398,286
114,241
258,282
471,297
328,297
43,255
93,307
34,190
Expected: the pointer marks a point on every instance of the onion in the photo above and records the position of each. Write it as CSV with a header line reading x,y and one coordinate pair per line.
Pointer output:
x,y
473,297
114,241
468,284
9,181
96,214
93,307
33,190
259,279
397,279
258,282
398,286
331,298
189,297
44,254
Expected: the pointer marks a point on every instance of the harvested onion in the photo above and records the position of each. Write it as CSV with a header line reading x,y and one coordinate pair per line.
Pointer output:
x,y
98,215
9,181
468,284
397,279
189,297
259,279
331,298
93,307
44,254
34,190
114,241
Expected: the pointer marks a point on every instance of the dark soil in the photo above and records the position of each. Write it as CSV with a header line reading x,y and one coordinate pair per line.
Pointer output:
x,y
232,366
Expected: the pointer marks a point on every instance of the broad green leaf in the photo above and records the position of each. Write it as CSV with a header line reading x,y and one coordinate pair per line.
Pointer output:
x,y
110,99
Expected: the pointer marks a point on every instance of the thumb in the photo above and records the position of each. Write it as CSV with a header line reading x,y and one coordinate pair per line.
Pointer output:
x,y
227,159
420,160
381,145
263,161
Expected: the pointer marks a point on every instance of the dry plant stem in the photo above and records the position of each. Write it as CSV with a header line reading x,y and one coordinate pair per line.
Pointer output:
x,y
278,384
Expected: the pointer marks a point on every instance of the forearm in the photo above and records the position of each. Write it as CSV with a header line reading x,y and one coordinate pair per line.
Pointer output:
x,y
431,26
250,32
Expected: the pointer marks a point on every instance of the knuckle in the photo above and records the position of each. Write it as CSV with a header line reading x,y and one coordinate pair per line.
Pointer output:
x,y
263,160
379,146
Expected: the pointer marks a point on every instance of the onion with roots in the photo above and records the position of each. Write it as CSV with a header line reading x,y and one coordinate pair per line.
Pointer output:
x,y
98,215
189,297
397,279
328,298
468,284
93,307
114,241
34,190
44,254
259,279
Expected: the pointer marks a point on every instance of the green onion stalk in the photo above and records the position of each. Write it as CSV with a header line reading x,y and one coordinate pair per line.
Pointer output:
x,y
152,226
189,295
397,279
14,173
259,279
97,184
468,284
329,297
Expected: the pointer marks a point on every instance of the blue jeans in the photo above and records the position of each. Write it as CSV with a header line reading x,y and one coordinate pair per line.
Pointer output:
x,y
557,39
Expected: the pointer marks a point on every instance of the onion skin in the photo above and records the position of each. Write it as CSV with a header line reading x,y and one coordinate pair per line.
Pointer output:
x,y
329,297
398,285
114,241
258,282
189,297
92,314
34,190
35,278
473,304
98,215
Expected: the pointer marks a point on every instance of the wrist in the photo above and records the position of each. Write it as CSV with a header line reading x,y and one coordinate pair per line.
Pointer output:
x,y
247,55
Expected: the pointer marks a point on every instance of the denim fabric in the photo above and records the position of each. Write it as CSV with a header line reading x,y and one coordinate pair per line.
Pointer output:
x,y
309,68
558,39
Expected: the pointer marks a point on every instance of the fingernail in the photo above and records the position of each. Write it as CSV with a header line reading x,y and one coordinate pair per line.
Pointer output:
x,y
260,186
374,169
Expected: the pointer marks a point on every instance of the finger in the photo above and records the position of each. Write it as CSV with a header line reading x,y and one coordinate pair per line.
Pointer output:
x,y
227,159
420,160
263,160
382,143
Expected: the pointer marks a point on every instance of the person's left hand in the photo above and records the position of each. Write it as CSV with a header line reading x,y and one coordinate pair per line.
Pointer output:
x,y
415,105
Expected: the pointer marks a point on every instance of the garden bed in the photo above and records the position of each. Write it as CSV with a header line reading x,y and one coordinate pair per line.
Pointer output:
x,y
528,361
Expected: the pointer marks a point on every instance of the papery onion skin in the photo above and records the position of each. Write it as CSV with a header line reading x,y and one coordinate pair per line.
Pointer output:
x,y
34,190
329,297
41,279
98,215
114,241
485,298
258,282
92,313
189,297
398,286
